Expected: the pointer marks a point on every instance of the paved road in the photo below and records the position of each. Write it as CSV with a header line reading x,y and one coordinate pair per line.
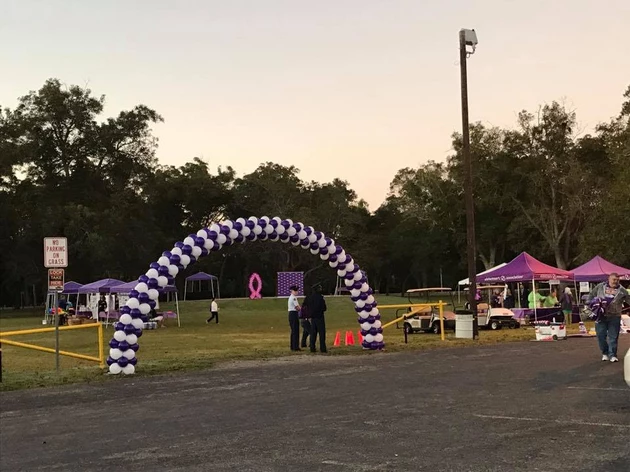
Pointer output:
x,y
515,407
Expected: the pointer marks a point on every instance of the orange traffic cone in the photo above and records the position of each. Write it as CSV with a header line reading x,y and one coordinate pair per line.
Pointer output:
x,y
337,342
359,337
349,338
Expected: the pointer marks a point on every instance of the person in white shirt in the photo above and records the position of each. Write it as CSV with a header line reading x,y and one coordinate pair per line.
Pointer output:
x,y
214,310
294,319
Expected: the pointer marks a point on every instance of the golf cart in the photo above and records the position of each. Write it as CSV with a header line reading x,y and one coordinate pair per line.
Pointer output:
x,y
495,318
428,319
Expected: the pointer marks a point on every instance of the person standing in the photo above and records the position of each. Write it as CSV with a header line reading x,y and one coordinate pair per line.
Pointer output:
x,y
294,320
316,306
608,323
306,325
566,303
214,311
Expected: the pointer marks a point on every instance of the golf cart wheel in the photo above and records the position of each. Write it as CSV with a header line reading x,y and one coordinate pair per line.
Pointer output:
x,y
555,337
494,325
408,329
435,329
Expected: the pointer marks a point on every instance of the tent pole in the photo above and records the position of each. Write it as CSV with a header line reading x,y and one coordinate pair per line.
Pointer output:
x,y
535,299
185,288
218,289
179,324
212,287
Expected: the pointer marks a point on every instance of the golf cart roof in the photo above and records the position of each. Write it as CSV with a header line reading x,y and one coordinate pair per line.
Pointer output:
x,y
430,289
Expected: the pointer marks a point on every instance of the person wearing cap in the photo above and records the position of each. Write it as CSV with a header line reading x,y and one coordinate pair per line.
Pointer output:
x,y
608,325
294,319
316,306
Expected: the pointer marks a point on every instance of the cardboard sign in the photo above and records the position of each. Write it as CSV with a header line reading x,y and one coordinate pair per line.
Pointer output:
x,y
584,287
55,279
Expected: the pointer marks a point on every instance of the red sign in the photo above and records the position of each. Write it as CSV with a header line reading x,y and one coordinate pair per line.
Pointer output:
x,y
55,279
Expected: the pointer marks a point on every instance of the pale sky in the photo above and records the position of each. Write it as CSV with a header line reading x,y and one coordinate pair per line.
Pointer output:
x,y
355,89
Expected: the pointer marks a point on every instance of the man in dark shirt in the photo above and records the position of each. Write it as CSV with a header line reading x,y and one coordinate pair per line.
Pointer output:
x,y
316,306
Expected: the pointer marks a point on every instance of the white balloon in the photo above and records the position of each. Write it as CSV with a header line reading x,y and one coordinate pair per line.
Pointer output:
x,y
350,267
133,303
281,229
115,353
348,283
341,258
341,273
190,241
227,223
221,238
152,274
125,319
275,238
173,270
269,229
291,231
321,243
209,244
377,324
369,338
363,314
324,257
120,336
163,261
290,221
333,264
215,227
277,219
129,354
365,287
359,303
257,230
242,221
370,299
246,231
332,249
141,287
302,234
130,338
378,338
176,251
295,243
312,238
264,218
202,234
196,251
254,219
128,369
314,251
233,234
374,312
145,308
332,244
153,294
115,369
137,323
162,281
365,326
355,293
184,260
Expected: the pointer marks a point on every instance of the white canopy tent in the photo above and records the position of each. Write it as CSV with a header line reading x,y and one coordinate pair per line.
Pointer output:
x,y
465,282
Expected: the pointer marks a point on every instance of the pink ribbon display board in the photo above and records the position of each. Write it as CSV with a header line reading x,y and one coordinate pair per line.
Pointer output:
x,y
255,286
287,279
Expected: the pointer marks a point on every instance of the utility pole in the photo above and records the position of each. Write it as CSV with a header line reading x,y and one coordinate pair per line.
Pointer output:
x,y
468,38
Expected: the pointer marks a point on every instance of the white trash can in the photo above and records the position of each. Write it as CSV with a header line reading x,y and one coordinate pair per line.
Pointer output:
x,y
464,326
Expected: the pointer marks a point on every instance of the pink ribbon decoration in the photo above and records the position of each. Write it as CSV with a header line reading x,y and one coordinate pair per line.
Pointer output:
x,y
255,286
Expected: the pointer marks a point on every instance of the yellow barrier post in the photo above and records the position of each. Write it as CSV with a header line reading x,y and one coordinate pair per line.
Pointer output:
x,y
441,309
101,354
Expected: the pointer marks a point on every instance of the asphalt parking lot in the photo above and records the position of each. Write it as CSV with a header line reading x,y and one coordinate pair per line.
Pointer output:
x,y
511,407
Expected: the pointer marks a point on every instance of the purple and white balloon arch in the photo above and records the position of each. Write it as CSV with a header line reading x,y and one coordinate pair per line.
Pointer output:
x,y
124,344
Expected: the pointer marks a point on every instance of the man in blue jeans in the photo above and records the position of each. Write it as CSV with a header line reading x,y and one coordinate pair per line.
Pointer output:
x,y
608,323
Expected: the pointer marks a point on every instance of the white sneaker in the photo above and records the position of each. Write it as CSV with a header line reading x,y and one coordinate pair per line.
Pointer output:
x,y
614,359
605,358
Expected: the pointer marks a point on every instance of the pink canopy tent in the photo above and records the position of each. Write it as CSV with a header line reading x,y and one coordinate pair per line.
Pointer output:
x,y
598,269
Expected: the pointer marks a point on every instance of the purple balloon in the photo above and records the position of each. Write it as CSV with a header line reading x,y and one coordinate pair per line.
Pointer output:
x,y
179,244
135,313
239,239
228,242
129,329
341,266
318,235
354,299
348,277
364,332
134,347
212,235
262,223
154,265
237,226
187,249
110,361
123,346
118,326
338,249
284,237
251,236
143,278
333,258
308,230
170,280
371,319
273,235
363,296
113,344
133,361
357,285
123,361
305,243
199,241
365,344
323,250
125,310
225,230
181,267
314,246
328,241
357,309
298,227
167,254
133,293
374,345
204,252
250,224
273,223
294,239
286,224
175,259
193,259
373,331
138,332
143,297
263,236
152,283
152,303
163,271
144,318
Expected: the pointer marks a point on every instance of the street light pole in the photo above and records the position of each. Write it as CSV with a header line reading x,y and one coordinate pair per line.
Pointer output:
x,y
468,38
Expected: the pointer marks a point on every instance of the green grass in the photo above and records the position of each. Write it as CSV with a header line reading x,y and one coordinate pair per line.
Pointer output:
x,y
248,329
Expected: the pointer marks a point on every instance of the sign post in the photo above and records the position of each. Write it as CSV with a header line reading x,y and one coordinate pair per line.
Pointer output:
x,y
55,258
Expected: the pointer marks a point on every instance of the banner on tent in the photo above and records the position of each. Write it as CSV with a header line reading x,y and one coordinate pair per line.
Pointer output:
x,y
287,279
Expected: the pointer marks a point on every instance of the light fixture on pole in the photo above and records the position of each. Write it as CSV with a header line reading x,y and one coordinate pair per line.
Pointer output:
x,y
467,46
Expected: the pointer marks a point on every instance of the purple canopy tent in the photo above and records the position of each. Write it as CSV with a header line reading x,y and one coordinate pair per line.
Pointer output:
x,y
202,277
129,286
597,270
524,268
69,288
100,286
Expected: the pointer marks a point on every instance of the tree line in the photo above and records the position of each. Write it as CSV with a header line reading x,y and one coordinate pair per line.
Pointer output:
x,y
65,170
